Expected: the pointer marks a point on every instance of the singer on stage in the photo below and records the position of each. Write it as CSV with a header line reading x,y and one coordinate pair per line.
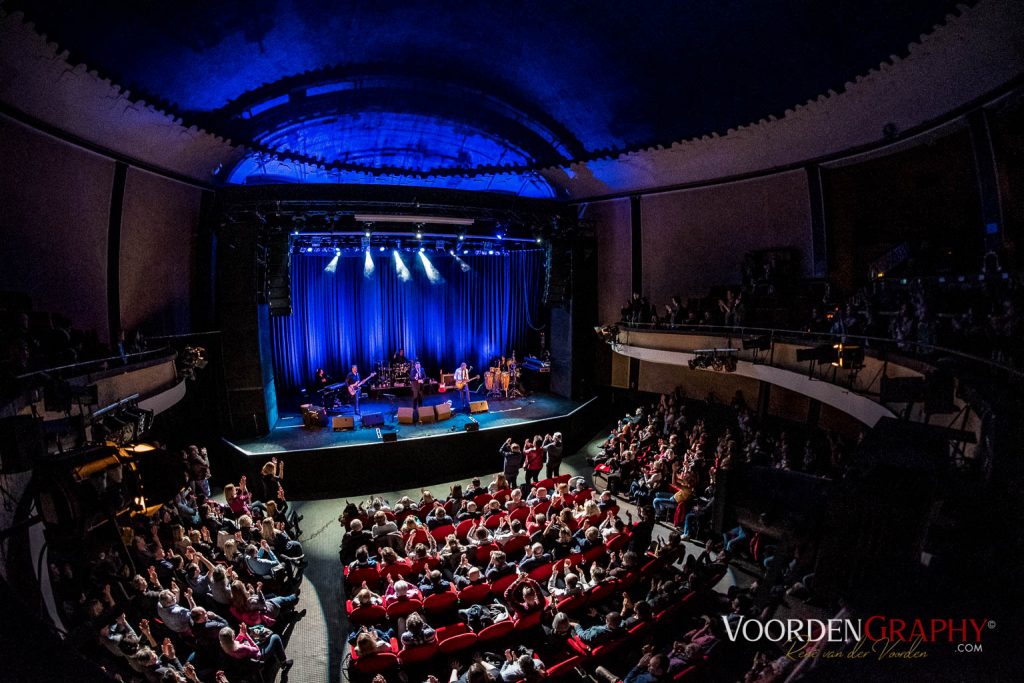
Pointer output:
x,y
417,376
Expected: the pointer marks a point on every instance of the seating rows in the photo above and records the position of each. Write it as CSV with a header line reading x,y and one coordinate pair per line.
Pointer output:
x,y
457,637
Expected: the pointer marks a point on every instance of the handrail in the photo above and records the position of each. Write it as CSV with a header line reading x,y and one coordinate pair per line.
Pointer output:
x,y
784,335
87,366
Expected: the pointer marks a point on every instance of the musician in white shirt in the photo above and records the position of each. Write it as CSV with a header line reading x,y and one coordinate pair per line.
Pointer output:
x,y
462,375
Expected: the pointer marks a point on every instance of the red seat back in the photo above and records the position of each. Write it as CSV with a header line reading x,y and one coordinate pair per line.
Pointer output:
x,y
494,521
442,532
514,546
471,595
482,500
617,542
598,593
498,586
462,530
454,638
482,553
520,513
417,653
572,603
365,616
419,536
542,573
356,577
440,602
496,631
540,508
375,664
404,608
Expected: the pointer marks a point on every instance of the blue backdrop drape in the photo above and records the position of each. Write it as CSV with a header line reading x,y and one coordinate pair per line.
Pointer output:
x,y
344,317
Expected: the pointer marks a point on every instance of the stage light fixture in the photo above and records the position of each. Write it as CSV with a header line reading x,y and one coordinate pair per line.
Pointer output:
x,y
462,237
490,252
419,235
539,240
381,248
403,272
333,265
432,274
368,265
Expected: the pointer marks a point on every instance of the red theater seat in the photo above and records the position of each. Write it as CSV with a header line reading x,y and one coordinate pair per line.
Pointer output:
x,y
498,586
464,527
442,532
514,546
417,653
542,573
496,631
472,595
355,577
439,603
404,608
365,616
454,638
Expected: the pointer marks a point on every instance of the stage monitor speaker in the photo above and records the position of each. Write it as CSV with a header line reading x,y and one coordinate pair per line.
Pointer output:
x,y
427,415
443,411
478,407
473,426
405,416
340,423
389,437
373,420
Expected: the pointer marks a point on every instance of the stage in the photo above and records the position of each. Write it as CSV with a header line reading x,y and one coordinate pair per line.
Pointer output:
x,y
323,463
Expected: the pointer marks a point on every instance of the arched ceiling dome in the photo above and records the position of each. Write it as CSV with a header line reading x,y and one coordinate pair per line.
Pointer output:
x,y
418,89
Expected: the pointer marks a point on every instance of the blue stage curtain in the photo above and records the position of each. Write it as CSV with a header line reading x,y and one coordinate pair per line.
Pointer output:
x,y
344,318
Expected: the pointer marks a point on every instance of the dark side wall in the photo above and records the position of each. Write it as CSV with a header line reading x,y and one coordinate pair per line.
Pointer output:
x,y
59,245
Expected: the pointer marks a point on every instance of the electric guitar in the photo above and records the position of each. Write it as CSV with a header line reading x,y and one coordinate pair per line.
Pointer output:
x,y
463,382
354,388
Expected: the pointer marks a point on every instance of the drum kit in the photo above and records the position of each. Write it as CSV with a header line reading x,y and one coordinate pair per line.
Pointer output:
x,y
503,383
393,375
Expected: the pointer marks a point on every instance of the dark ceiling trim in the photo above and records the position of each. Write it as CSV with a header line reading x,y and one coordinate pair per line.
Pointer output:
x,y
985,100
64,136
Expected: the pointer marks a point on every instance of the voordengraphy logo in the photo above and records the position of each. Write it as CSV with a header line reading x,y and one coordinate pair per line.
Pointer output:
x,y
886,637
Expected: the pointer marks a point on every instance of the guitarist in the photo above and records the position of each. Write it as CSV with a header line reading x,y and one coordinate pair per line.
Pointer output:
x,y
462,384
417,376
353,379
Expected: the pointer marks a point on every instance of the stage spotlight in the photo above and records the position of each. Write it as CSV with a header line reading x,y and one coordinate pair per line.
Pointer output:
x,y
462,237
381,248
333,265
403,273
367,233
490,252
462,264
429,268
539,240
368,265
419,235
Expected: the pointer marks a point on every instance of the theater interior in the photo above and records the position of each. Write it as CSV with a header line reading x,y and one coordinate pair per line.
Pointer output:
x,y
413,342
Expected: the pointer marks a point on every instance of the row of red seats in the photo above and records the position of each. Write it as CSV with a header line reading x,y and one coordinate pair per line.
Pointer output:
x,y
458,637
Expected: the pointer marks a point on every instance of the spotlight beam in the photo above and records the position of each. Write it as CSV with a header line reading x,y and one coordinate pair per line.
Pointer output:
x,y
429,269
368,266
403,272
333,265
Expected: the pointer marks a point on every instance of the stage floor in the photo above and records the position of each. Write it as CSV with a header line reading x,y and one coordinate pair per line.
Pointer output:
x,y
289,435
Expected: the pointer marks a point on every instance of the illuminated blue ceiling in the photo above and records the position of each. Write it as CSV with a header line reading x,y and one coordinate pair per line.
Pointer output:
x,y
437,89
